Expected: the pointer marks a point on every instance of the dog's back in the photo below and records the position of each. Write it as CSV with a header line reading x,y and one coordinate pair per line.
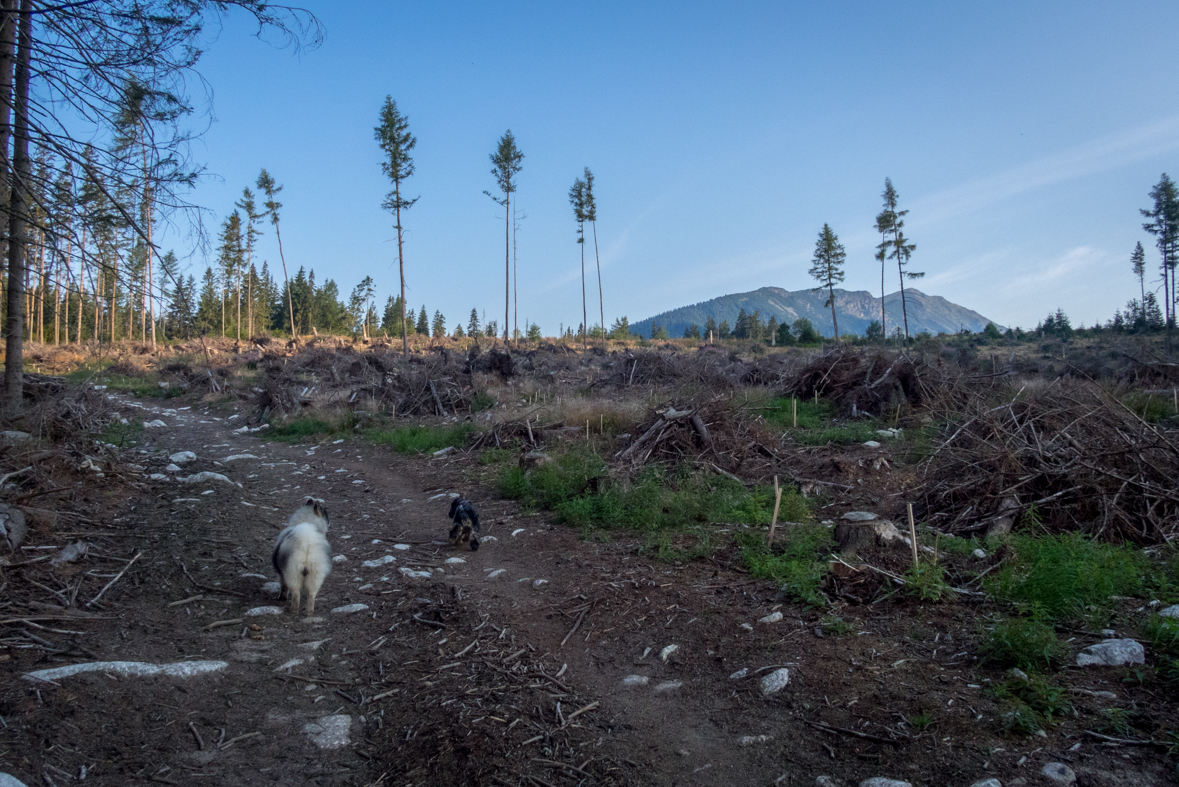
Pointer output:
x,y
466,522
302,556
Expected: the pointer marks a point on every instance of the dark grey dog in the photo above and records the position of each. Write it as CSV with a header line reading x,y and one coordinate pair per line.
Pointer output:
x,y
466,522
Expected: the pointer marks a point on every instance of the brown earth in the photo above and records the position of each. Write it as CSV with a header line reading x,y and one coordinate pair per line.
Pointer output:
x,y
470,678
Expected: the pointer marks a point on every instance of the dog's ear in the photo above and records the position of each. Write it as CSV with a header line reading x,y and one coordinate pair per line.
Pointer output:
x,y
454,504
311,501
320,508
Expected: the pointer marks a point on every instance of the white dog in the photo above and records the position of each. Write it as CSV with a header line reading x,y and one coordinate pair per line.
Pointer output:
x,y
302,556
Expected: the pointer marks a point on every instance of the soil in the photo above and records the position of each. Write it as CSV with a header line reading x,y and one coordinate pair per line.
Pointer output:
x,y
508,668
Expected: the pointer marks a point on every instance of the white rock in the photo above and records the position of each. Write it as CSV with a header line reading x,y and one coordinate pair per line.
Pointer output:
x,y
773,617
438,496
1059,773
130,669
450,449
635,680
380,561
537,584
236,457
401,547
859,516
668,685
880,781
665,654
992,782
1109,633
10,781
159,477
256,611
172,468
203,476
156,424
1170,612
339,558
741,673
980,554
747,626
485,540
749,740
288,665
251,575
1112,653
272,589
330,732
871,444
314,619
315,645
348,609
499,572
410,573
14,437
825,781
182,457
454,561
775,681
517,532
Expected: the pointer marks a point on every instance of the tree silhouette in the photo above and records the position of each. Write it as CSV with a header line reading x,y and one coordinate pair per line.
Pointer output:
x,y
506,160
395,140
827,268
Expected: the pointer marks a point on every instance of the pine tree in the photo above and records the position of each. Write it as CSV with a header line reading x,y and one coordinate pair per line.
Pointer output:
x,y
692,331
885,221
473,327
741,327
723,331
892,221
710,329
1138,265
506,160
230,258
209,304
772,329
1164,225
438,325
828,269
247,207
423,326
396,142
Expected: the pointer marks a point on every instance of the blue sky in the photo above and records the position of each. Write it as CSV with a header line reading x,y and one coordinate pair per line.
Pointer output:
x,y
1023,138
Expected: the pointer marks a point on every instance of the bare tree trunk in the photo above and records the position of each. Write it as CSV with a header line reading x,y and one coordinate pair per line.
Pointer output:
x,y
883,326
834,319
601,300
22,172
290,295
584,312
515,284
401,265
7,47
507,261
904,309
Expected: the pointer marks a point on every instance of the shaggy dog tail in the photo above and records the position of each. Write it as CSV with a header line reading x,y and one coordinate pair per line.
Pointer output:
x,y
302,558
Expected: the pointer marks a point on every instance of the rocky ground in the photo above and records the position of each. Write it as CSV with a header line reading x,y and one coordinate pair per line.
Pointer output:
x,y
541,659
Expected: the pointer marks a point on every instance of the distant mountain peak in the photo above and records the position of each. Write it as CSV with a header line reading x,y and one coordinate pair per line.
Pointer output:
x,y
855,310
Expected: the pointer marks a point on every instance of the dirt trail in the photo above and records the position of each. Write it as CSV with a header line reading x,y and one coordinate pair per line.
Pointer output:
x,y
461,676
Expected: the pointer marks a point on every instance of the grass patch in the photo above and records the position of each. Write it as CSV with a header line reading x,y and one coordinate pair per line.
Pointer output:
x,y
694,544
1024,643
496,456
121,434
816,423
299,429
1071,576
922,721
835,626
795,563
420,439
1150,407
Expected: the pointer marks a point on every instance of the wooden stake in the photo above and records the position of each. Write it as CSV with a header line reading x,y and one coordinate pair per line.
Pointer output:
x,y
912,533
777,505
587,432
794,409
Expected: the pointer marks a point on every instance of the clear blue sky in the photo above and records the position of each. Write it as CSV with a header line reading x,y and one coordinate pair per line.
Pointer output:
x,y
1022,137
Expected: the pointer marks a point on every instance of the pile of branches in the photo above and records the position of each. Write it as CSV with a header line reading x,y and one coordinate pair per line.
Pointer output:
x,y
862,383
1068,457
708,436
713,370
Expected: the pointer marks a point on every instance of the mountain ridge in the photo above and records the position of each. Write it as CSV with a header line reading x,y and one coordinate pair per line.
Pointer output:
x,y
856,309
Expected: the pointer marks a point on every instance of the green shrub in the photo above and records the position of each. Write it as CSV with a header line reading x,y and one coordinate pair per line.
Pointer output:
x,y
1026,707
922,721
1069,575
496,456
927,582
482,401
796,561
1024,643
1162,633
835,626
421,439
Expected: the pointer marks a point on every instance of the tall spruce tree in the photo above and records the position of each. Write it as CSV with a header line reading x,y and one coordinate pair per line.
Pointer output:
x,y
270,188
885,221
250,236
827,269
1164,225
591,215
899,247
577,200
396,142
506,160
423,326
